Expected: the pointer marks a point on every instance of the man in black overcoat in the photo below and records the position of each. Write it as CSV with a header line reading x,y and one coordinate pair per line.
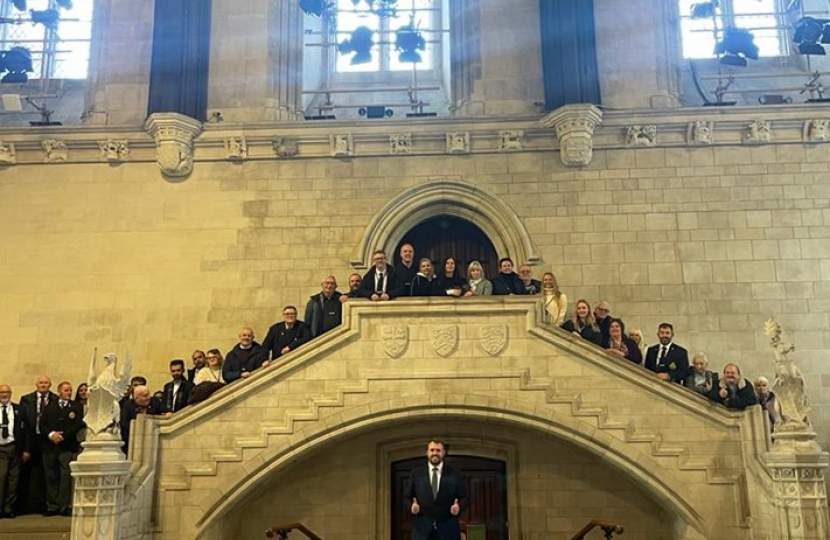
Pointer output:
x,y
437,495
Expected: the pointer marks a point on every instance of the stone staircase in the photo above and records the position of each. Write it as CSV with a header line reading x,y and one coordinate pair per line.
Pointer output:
x,y
35,527
598,415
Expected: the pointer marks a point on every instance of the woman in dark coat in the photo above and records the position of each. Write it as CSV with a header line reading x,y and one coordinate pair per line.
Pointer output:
x,y
583,324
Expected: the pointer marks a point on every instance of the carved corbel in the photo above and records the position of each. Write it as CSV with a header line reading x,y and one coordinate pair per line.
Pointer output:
x,y
700,132
574,126
510,140
400,144
113,151
816,130
341,145
758,132
174,134
641,135
8,156
458,143
236,148
55,151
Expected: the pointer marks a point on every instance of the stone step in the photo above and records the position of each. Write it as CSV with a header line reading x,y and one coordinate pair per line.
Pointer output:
x,y
36,527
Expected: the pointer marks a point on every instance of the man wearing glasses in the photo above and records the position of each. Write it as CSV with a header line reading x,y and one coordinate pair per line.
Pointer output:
x,y
284,337
378,283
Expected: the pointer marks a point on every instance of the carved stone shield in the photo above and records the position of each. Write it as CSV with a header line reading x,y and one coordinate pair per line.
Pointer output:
x,y
444,339
493,338
394,338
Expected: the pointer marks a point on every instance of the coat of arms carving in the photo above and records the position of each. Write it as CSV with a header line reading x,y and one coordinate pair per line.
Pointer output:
x,y
443,339
493,338
394,338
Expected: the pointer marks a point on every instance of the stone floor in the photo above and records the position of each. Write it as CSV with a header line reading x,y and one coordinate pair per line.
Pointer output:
x,y
35,527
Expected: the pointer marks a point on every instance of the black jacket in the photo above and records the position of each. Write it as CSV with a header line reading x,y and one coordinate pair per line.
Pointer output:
x,y
675,363
28,403
587,333
18,428
279,337
508,284
367,285
167,402
318,307
435,512
739,396
69,420
129,412
403,279
234,365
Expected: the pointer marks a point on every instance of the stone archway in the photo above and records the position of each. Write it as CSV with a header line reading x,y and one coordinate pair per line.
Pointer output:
x,y
456,199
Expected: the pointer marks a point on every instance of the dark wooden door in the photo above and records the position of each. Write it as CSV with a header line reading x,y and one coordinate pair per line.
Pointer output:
x,y
486,488
447,236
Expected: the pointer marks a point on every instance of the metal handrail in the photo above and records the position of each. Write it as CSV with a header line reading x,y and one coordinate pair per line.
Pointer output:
x,y
609,528
282,531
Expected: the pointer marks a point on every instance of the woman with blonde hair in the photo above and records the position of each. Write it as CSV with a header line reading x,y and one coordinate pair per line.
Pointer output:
x,y
556,302
477,284
583,324
636,336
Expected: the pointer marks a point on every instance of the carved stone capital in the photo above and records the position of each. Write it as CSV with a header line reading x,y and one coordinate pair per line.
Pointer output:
x,y
174,134
574,126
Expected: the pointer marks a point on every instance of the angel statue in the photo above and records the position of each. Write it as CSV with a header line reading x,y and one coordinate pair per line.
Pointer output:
x,y
790,391
105,390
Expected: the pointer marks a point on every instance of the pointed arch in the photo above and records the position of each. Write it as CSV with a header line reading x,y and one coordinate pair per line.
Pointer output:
x,y
446,197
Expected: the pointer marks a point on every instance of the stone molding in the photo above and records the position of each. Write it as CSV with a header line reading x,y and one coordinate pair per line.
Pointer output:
x,y
188,141
446,197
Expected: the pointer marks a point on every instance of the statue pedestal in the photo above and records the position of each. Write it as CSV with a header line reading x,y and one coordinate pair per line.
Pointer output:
x,y
797,465
100,475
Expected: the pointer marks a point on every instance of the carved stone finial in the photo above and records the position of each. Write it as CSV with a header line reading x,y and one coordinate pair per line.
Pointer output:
x,y
700,132
341,145
174,134
458,143
285,148
758,132
114,151
236,148
56,151
8,156
574,126
510,140
641,135
400,144
816,131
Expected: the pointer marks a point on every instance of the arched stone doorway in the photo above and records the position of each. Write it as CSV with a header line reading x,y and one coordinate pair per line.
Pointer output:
x,y
448,236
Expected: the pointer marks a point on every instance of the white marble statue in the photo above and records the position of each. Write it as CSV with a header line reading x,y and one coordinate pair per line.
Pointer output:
x,y
105,390
791,398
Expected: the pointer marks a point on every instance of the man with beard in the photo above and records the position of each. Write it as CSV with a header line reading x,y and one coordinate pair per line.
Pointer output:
x,y
666,357
324,310
405,271
532,286
732,390
354,288
241,360
437,495
176,392
198,363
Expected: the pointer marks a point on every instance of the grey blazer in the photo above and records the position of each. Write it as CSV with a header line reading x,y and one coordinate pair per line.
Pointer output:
x,y
482,288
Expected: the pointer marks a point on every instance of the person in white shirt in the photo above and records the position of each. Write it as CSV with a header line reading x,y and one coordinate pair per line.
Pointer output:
x,y
12,450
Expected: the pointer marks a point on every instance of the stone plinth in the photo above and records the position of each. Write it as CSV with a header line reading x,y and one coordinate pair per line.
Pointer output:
x,y
100,474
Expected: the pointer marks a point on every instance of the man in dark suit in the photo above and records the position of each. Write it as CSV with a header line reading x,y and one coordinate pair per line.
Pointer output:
x,y
61,421
284,337
12,450
667,359
141,403
32,474
199,361
437,495
379,282
405,271
176,392
507,281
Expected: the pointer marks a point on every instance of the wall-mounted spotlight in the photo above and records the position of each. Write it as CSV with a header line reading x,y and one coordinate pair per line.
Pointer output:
x,y
736,46
16,63
704,10
409,41
315,8
360,43
809,33
47,17
375,111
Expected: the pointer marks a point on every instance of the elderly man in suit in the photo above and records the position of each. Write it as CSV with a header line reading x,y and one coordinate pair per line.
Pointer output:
x,y
62,420
13,450
437,495
667,359
33,474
